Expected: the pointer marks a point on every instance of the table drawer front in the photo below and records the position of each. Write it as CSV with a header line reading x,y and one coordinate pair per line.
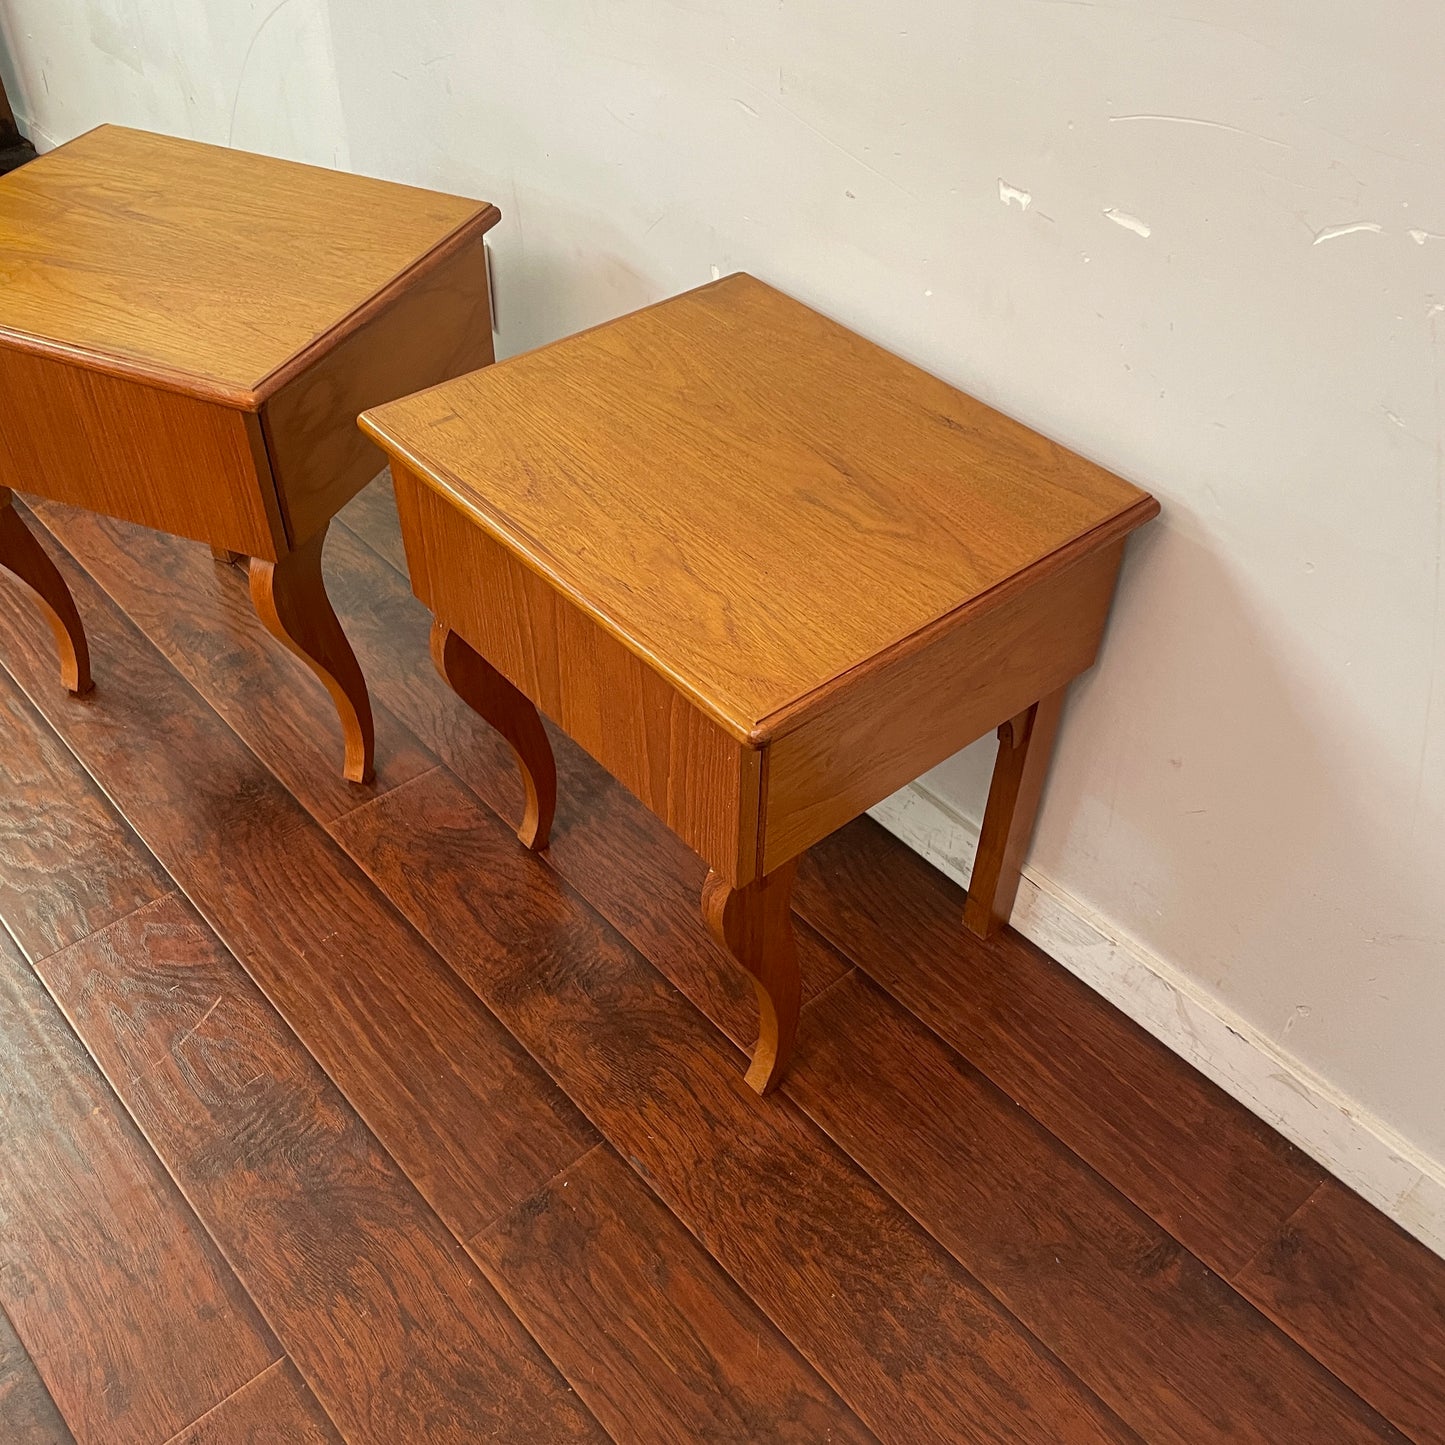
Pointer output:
x,y
907,715
193,468
700,781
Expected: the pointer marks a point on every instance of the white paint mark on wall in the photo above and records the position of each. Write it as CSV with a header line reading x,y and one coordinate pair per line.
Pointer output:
x,y
1298,1014
1014,195
1333,233
1128,222
1420,237
745,107
1208,124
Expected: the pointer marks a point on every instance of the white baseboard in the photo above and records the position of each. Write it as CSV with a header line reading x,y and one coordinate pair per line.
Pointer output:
x,y
42,140
1347,1139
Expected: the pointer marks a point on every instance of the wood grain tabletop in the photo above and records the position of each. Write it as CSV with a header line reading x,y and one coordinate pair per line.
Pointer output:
x,y
753,498
178,262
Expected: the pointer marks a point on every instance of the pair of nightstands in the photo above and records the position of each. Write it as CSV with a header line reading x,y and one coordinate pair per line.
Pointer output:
x,y
763,571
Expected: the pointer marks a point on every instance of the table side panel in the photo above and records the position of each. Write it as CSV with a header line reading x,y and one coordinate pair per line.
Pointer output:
x,y
436,328
904,716
702,782
173,462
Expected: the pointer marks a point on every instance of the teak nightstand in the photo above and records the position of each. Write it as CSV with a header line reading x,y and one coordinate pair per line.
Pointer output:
x,y
186,336
765,573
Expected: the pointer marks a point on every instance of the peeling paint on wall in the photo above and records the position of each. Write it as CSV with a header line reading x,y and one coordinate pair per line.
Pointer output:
x,y
1014,195
1128,222
1207,124
1333,233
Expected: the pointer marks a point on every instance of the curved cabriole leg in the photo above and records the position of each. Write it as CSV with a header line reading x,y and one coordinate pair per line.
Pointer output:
x,y
290,598
1025,745
488,693
22,555
755,925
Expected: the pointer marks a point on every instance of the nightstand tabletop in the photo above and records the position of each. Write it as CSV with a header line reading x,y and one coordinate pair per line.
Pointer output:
x,y
200,268
752,498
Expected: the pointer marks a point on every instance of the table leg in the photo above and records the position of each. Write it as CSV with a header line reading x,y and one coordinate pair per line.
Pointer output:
x,y
22,555
755,925
290,598
487,692
1025,745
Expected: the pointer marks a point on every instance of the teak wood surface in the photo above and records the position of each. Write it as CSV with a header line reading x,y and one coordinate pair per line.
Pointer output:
x,y
187,334
765,572
210,270
487,1101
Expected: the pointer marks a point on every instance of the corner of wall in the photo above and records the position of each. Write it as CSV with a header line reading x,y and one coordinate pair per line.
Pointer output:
x,y
41,139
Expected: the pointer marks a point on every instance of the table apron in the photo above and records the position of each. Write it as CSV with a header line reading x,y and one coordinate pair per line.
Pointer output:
x,y
110,444
701,781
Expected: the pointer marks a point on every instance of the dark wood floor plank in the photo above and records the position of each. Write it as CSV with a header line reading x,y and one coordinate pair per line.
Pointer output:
x,y
473,1121
396,1331
660,1344
1357,1292
276,1408
134,1322
1215,1176
27,1413
199,615
906,1338
371,515
1158,1336
43,837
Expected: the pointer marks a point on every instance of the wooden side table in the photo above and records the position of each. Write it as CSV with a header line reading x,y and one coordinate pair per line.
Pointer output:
x,y
766,573
186,336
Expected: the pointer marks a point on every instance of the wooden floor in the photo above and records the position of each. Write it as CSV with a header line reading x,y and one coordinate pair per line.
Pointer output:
x,y
330,1113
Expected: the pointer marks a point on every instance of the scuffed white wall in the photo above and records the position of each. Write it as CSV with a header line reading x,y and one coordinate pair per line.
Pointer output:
x,y
1202,244
256,73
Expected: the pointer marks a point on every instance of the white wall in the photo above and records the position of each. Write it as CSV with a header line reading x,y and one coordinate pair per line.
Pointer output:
x,y
255,75
1251,787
